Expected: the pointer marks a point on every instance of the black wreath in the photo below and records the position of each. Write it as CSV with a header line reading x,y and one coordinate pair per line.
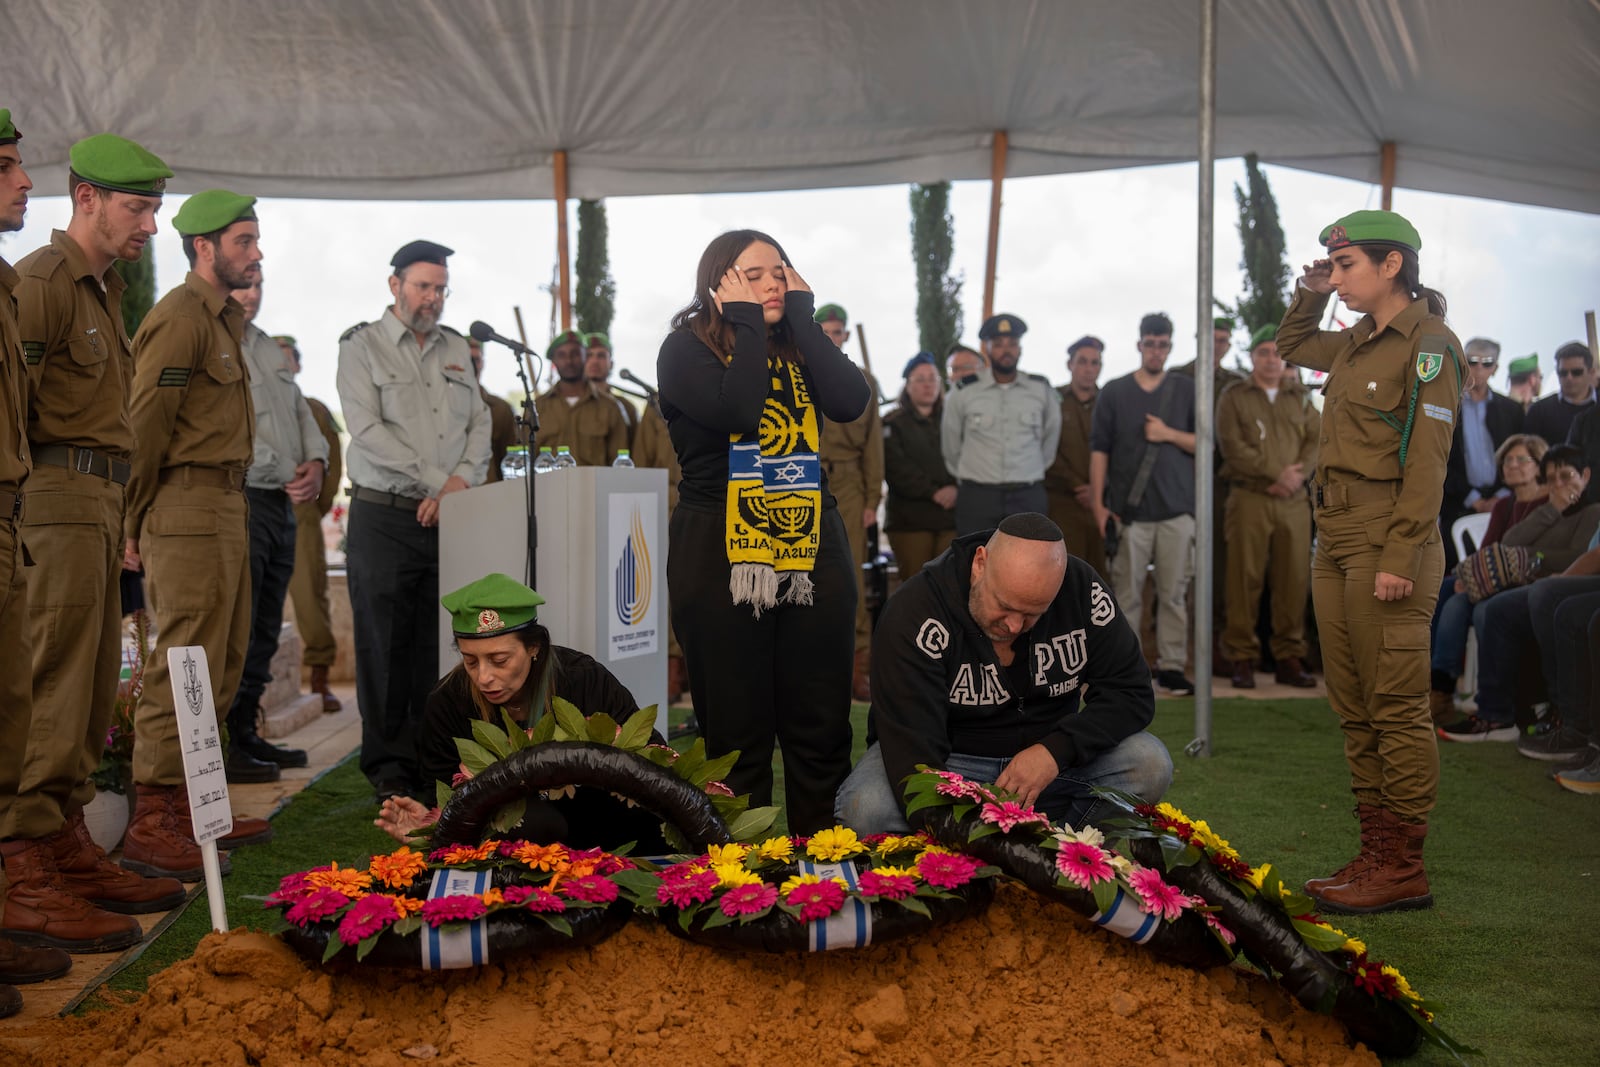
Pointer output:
x,y
1186,940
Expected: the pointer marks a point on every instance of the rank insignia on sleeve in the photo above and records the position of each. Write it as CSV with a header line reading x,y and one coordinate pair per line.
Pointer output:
x,y
174,376
1429,364
32,352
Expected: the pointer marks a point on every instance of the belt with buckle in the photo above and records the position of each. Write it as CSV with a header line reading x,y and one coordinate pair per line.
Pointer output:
x,y
201,476
84,461
1348,494
10,505
391,500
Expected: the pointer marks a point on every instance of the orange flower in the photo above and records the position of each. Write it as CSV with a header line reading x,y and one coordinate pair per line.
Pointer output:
x,y
456,854
349,881
408,905
582,868
493,896
398,869
541,857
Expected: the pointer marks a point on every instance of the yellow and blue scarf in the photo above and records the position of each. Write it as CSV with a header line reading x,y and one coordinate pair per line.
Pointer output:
x,y
774,509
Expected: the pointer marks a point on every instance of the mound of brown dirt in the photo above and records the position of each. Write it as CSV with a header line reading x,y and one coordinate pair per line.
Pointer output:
x,y
1028,982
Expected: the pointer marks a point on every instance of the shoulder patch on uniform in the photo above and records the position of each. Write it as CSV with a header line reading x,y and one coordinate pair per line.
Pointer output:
x,y
343,337
177,377
1429,364
32,352
1443,414
933,638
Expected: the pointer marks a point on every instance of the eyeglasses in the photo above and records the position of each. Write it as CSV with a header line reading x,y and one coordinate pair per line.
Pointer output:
x,y
1475,362
1517,461
429,289
1573,372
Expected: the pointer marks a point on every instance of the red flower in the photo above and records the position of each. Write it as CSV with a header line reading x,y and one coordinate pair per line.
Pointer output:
x,y
370,915
888,886
947,871
680,892
455,908
592,888
817,900
539,899
290,889
316,905
1232,866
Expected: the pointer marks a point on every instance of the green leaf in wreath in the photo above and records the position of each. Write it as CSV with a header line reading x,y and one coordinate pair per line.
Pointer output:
x,y
602,729
752,824
691,761
715,770
365,945
476,758
1318,937
442,794
492,738
636,730
569,720
543,732
638,886
509,815
557,923
334,945
1105,895
922,800
515,732
407,926
912,904
982,830
718,918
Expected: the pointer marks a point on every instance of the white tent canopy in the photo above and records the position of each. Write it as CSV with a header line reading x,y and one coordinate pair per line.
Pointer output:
x,y
465,99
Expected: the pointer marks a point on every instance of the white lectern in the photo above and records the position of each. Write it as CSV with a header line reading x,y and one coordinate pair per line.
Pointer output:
x,y
602,559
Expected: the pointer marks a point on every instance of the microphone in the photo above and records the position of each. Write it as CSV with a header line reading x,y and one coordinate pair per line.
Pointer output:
x,y
636,380
482,332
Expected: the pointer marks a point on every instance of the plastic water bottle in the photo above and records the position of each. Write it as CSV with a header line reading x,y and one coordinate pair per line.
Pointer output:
x,y
564,458
545,462
515,464
623,459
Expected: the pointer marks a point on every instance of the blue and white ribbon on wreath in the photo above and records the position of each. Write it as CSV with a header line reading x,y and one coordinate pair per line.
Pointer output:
x,y
1125,918
851,925
467,944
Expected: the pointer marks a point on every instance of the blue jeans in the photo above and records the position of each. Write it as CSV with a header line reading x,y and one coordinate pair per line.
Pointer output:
x,y
1139,765
1565,613
1452,619
1509,622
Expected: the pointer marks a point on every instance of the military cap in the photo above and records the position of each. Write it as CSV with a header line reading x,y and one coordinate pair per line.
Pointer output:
x,y
116,163
597,338
1001,326
8,130
1222,322
420,252
285,339
832,311
1088,340
1269,332
918,360
212,210
565,337
491,606
1371,228
1523,365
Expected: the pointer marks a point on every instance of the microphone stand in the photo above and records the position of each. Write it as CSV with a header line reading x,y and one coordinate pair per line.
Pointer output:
x,y
528,429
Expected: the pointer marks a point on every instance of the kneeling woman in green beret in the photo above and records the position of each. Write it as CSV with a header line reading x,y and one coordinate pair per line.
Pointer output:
x,y
1391,402
509,662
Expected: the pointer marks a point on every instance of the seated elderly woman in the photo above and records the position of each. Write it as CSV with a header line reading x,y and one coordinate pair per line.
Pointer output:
x,y
508,663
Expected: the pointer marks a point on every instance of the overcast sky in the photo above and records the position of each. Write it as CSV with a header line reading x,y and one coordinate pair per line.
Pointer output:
x,y
1086,253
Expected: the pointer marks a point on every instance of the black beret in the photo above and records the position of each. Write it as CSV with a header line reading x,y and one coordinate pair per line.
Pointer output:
x,y
1001,326
420,252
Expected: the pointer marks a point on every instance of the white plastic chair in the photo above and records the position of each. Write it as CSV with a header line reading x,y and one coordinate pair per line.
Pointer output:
x,y
1467,532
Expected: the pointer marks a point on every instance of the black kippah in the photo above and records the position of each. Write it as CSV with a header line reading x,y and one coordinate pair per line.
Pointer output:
x,y
1030,526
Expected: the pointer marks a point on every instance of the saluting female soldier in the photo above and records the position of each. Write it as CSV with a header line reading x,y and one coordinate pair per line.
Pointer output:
x,y
1392,396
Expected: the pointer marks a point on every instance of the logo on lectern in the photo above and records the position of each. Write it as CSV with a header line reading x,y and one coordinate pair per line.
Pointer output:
x,y
633,575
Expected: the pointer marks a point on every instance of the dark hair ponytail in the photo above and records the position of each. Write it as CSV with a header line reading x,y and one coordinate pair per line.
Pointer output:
x,y
1409,279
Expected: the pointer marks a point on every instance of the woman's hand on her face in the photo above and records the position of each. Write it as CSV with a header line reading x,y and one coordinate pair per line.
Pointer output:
x,y
797,284
734,288
1318,277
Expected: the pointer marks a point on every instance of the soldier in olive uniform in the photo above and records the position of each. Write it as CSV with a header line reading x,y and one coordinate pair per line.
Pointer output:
x,y
80,368
852,454
597,364
1267,433
577,413
1392,398
308,587
1066,481
1000,433
18,965
193,427
502,422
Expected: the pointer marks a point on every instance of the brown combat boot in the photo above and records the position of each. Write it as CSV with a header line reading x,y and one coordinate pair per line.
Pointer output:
x,y
1372,824
319,684
1293,673
90,875
21,965
40,911
160,842
1443,707
861,678
1395,882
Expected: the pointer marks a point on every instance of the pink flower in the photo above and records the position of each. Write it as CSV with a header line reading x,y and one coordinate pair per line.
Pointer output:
x,y
748,900
817,900
945,871
1008,814
683,891
718,789
538,899
516,894
455,908
1156,897
368,916
1223,931
592,888
290,889
889,886
1083,865
508,848
316,905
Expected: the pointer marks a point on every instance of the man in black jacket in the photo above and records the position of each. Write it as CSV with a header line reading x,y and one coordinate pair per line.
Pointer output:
x,y
1472,475
980,664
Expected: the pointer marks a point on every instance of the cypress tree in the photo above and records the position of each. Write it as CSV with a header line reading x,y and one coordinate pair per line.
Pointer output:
x,y
594,296
1266,274
933,235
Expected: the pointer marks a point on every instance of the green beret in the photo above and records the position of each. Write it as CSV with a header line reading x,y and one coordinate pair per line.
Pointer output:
x,y
491,606
212,210
1523,365
1372,228
1222,323
420,252
832,311
1269,332
1001,326
8,131
285,339
565,337
597,338
116,163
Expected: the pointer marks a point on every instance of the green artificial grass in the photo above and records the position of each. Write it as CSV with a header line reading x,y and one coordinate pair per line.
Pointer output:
x,y
1509,950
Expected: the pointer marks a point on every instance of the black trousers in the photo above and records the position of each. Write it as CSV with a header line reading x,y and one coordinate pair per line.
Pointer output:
x,y
272,533
393,566
981,507
783,677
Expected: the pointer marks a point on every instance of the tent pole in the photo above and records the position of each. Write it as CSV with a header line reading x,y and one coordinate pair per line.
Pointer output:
x,y
1205,376
997,175
1387,172
565,280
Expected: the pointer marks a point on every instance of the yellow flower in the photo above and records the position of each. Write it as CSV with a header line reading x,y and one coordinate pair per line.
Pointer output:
x,y
349,881
795,881
1354,947
936,850
775,848
1401,984
1259,874
721,855
1171,812
834,844
897,872
732,874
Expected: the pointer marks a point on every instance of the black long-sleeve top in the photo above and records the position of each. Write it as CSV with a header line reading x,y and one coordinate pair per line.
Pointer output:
x,y
704,400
